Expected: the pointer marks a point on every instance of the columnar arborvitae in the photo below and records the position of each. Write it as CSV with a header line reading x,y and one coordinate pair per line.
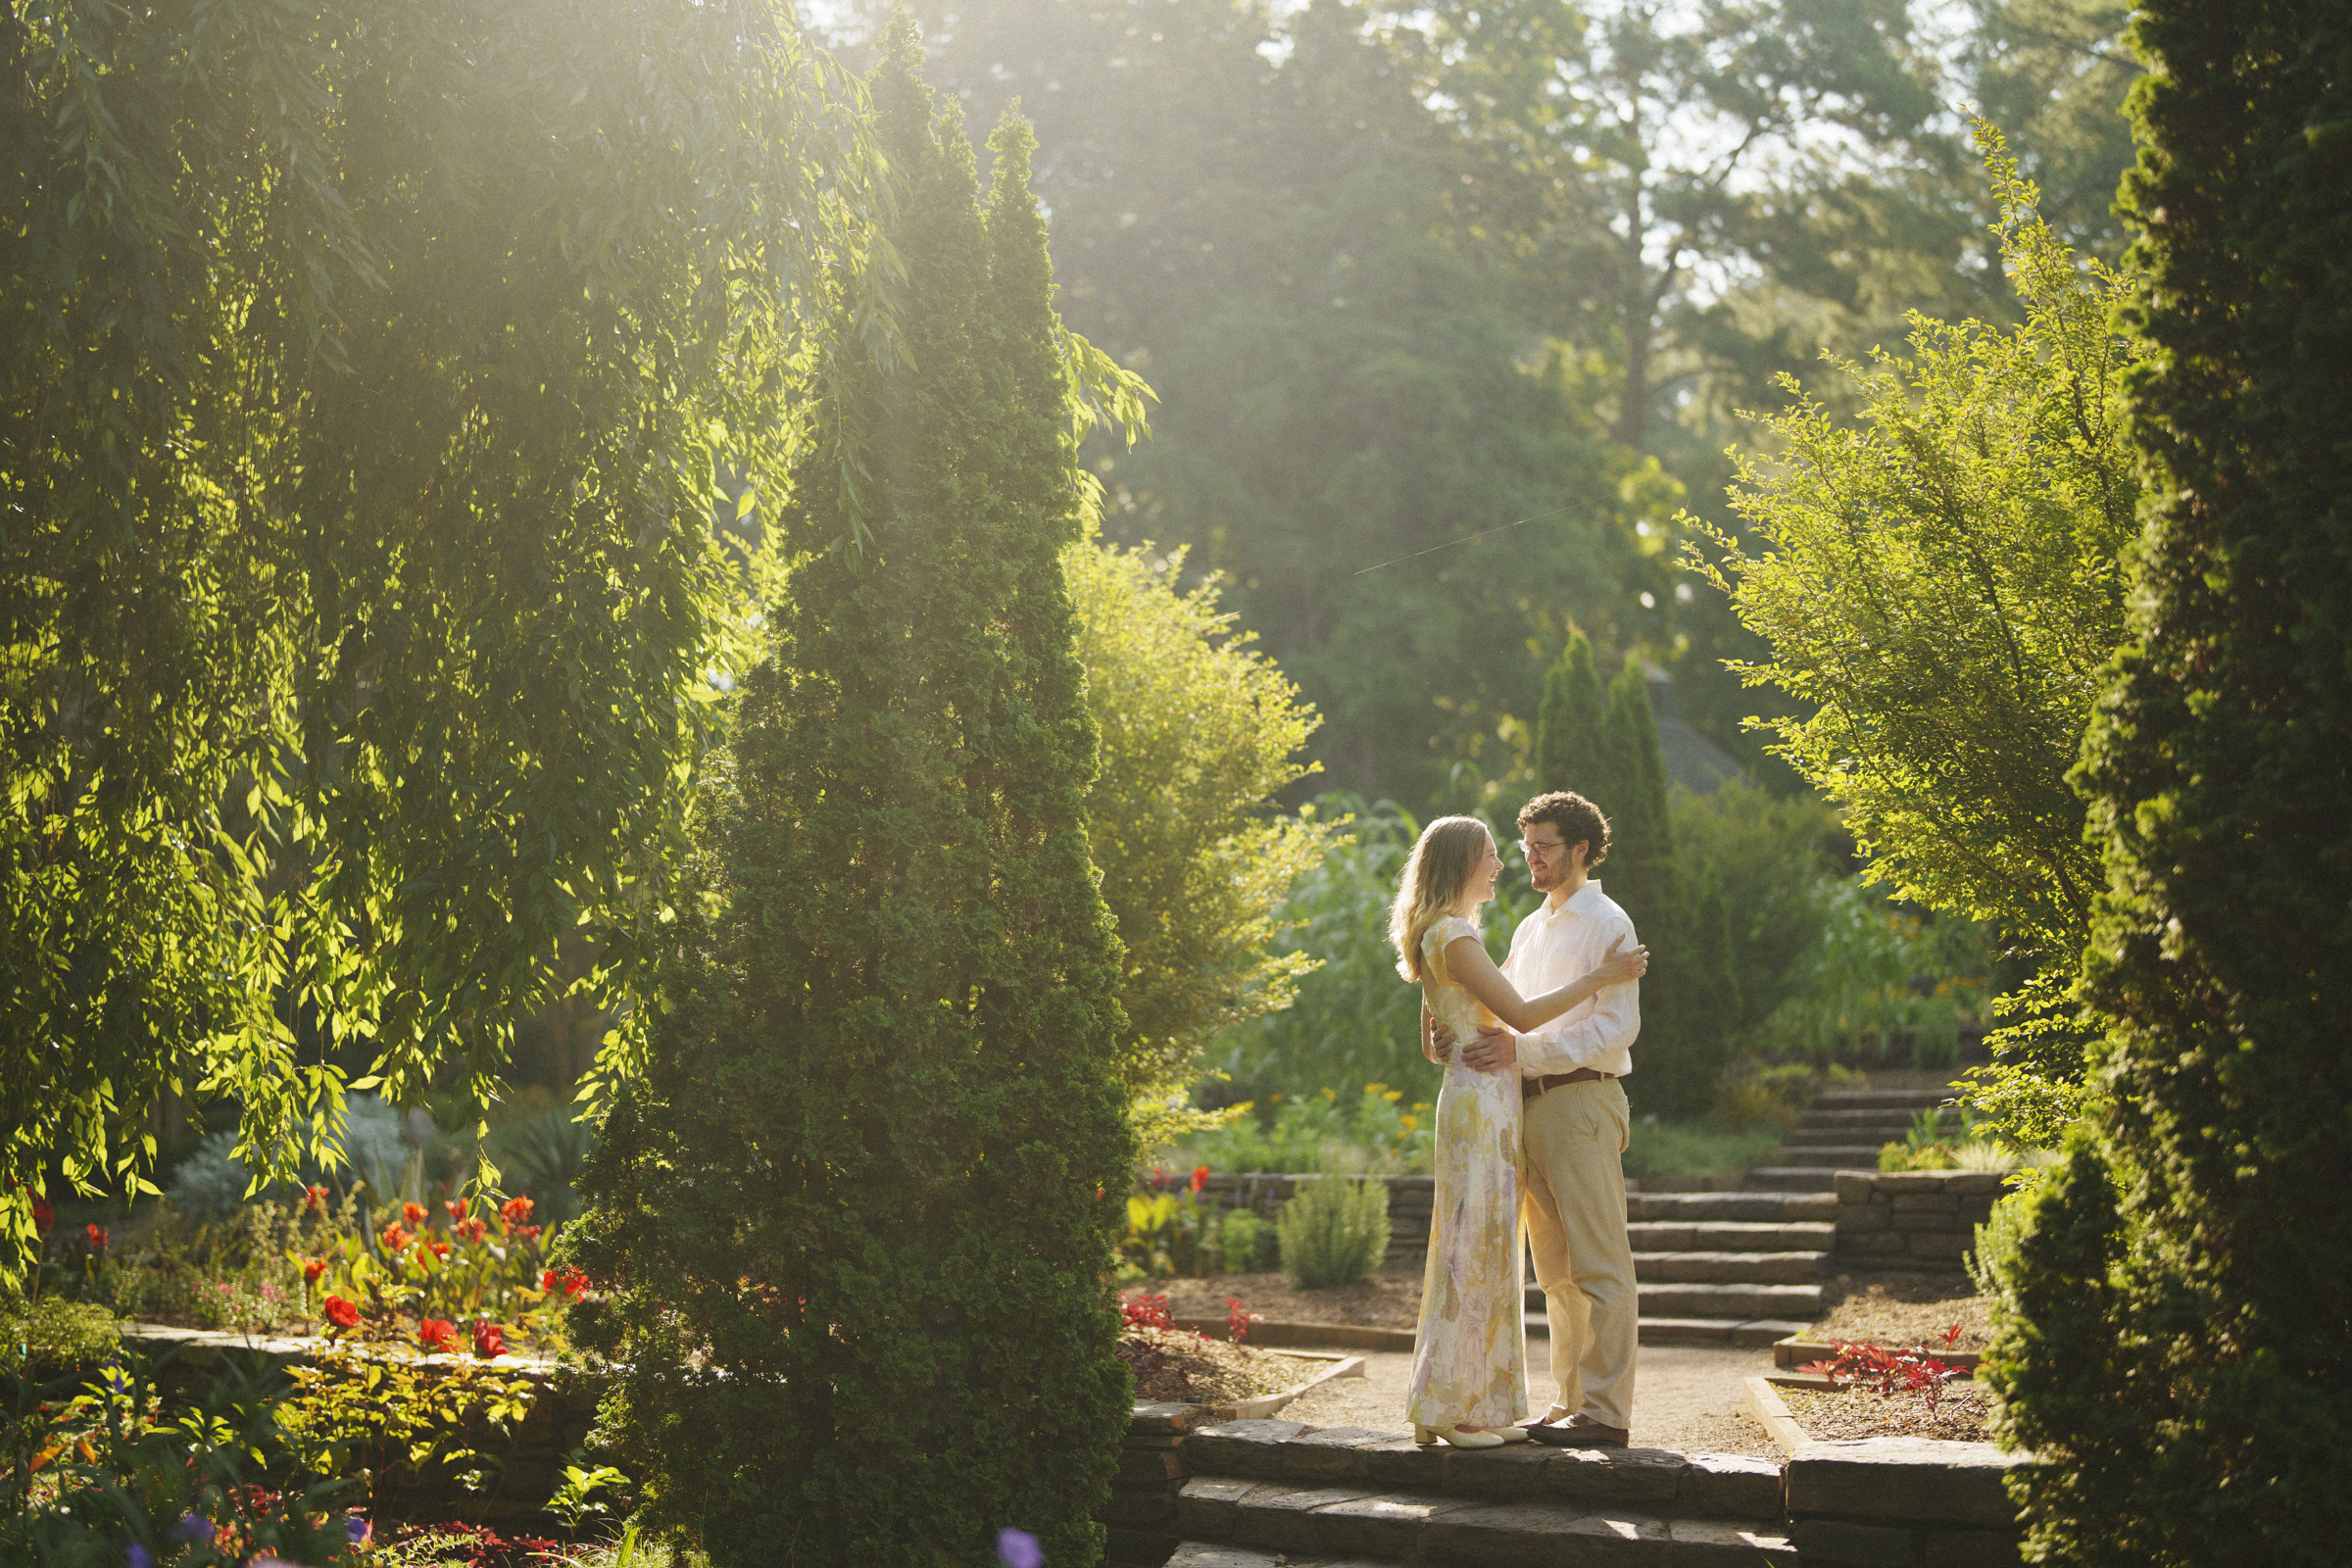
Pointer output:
x,y
856,1216
2181,1347
1642,831
1568,727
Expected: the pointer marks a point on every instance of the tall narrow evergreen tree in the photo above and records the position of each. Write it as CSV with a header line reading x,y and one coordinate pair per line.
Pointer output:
x,y
1569,752
853,1217
1640,830
2178,1335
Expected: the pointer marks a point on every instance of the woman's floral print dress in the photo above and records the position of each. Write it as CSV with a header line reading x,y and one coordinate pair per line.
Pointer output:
x,y
1470,1354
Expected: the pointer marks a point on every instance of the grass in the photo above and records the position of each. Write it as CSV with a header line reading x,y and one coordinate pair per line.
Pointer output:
x,y
1696,1147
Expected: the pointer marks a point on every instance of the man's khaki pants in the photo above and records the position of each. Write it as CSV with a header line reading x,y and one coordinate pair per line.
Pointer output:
x,y
1575,1213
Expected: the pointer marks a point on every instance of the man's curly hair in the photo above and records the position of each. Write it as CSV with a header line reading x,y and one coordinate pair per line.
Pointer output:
x,y
1579,820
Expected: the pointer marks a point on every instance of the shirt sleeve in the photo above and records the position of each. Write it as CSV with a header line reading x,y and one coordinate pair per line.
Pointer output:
x,y
1603,1027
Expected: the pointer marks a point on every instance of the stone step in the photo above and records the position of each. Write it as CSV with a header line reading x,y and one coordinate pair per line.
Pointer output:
x,y
1730,1235
1719,1331
1243,1523
1844,1116
1826,1157
1809,1180
1731,1268
1811,1137
1737,1299
1750,1207
1905,1100
1715,1270
1290,1453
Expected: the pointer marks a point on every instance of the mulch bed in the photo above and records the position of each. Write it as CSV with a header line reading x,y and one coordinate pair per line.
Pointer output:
x,y
1904,1312
1177,1366
1391,1299
1857,1412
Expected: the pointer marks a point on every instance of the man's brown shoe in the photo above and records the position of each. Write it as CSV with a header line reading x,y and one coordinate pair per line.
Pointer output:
x,y
1580,1432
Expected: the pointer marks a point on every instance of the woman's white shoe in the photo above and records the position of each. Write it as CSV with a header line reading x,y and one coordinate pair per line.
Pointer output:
x,y
1425,1436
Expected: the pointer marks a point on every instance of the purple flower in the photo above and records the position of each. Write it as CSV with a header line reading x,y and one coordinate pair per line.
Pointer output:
x,y
136,1555
1018,1548
196,1528
358,1529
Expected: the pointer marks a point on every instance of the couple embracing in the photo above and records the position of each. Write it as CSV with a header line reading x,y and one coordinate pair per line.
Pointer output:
x,y
1530,1126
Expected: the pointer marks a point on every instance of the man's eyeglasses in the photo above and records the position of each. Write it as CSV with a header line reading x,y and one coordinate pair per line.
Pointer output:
x,y
1547,848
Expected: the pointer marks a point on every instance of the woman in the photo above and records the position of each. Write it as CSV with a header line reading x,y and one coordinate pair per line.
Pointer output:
x,y
1469,1358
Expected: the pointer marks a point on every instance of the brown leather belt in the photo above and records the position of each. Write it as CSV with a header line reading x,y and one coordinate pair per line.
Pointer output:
x,y
1530,1088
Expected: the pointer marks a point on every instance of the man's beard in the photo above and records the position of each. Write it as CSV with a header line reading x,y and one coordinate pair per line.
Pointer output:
x,y
1543,878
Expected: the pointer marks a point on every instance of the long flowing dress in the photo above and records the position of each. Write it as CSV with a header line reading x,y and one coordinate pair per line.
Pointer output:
x,y
1470,1352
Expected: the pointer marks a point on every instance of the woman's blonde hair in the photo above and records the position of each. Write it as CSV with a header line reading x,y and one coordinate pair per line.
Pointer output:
x,y
1442,865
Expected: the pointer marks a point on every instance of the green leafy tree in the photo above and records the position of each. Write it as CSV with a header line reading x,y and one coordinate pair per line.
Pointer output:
x,y
880,1114
1941,583
1345,380
2053,75
358,589
1200,732
2177,1345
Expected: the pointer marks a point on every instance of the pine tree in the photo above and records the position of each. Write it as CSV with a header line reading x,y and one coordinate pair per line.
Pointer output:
x,y
2182,1362
1569,749
853,1216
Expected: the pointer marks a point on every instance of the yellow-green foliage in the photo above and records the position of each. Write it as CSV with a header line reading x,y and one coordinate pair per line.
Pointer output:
x,y
1941,587
55,1333
1200,732
1333,1230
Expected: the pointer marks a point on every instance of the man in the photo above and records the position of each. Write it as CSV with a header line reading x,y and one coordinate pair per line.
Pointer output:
x,y
1574,1123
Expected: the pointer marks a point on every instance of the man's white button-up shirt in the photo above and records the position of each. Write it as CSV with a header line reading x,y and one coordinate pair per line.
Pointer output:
x,y
1554,948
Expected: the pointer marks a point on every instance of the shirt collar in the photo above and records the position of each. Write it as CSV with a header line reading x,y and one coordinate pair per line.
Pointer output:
x,y
1585,901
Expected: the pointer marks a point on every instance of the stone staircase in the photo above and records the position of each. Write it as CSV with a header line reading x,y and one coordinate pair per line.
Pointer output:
x,y
1843,1131
1745,1268
1723,1268
1265,1493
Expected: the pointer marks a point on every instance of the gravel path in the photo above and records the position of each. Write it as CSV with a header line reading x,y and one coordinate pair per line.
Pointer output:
x,y
1689,1398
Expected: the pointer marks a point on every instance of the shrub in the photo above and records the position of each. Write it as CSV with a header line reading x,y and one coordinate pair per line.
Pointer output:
x,y
1247,1241
879,1123
50,1333
2177,1340
1377,1133
1333,1230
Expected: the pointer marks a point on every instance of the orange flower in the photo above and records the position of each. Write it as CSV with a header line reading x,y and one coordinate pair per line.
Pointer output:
x,y
455,1207
314,1197
394,1237
529,1233
440,1249
413,1213
1199,1177
97,1236
515,1210
469,1230
313,1269
570,1281
436,1333
341,1314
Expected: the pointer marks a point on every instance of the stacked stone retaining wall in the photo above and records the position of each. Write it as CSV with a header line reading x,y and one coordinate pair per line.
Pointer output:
x,y
1912,1220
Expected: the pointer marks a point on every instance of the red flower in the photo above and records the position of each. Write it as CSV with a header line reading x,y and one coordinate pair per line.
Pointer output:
x,y
1199,1177
515,1210
440,1249
97,1238
341,1314
455,1207
43,1217
469,1230
313,1269
314,1197
489,1339
529,1233
570,1281
436,1333
394,1236
413,1213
